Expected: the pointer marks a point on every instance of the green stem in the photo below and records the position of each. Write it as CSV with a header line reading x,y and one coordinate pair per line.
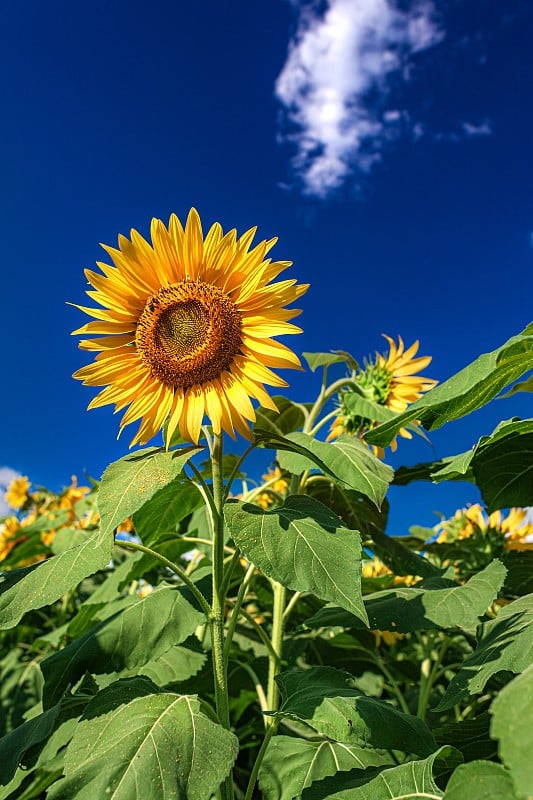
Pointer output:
x,y
243,588
258,686
324,396
259,760
278,625
236,468
290,605
394,686
427,679
206,608
260,632
220,669
320,424
236,554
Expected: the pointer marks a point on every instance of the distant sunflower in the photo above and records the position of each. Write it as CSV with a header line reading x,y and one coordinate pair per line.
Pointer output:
x,y
390,380
187,326
17,492
516,528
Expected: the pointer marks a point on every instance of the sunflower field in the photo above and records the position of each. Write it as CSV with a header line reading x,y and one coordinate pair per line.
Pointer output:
x,y
178,630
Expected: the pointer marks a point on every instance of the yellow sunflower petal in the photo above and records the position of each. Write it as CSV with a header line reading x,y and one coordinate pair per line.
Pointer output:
x,y
186,328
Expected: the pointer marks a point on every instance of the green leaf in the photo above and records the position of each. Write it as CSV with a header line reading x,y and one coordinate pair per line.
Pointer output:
x,y
39,585
177,664
503,466
363,407
468,390
482,780
21,685
66,538
304,546
411,781
470,736
452,468
316,360
166,509
504,643
519,566
15,744
131,637
323,698
157,745
522,386
291,765
291,417
347,460
354,508
411,609
128,483
399,558
512,712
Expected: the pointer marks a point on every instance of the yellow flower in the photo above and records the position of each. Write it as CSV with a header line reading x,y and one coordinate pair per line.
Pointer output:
x,y
8,536
187,326
73,494
516,527
277,482
17,492
390,380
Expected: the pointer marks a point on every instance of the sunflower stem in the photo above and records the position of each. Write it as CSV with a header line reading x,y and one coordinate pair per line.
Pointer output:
x,y
274,656
324,395
206,608
220,667
260,756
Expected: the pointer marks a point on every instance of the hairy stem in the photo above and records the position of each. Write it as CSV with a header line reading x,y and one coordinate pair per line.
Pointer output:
x,y
220,667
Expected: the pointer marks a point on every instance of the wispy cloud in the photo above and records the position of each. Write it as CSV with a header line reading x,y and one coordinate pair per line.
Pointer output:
x,y
335,86
483,129
6,476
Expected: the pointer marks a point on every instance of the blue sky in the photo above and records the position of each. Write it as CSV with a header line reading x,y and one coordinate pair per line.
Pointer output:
x,y
387,143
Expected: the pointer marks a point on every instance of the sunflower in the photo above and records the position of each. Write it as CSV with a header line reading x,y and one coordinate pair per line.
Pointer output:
x,y
277,483
17,492
516,528
187,325
390,380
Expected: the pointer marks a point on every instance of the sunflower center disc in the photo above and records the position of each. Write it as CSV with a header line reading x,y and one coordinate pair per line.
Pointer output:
x,y
188,333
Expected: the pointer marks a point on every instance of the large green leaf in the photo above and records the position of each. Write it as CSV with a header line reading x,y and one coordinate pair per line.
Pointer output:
x,y
323,698
470,736
347,460
129,482
512,712
166,509
414,780
134,635
39,585
412,609
291,765
503,466
504,643
175,665
304,546
15,744
156,745
468,390
291,416
354,508
481,780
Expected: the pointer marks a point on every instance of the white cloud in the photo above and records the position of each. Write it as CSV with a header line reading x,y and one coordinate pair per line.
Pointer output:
x,y
483,129
337,79
6,476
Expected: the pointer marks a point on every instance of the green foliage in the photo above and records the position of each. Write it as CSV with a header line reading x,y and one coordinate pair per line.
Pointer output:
x,y
178,630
